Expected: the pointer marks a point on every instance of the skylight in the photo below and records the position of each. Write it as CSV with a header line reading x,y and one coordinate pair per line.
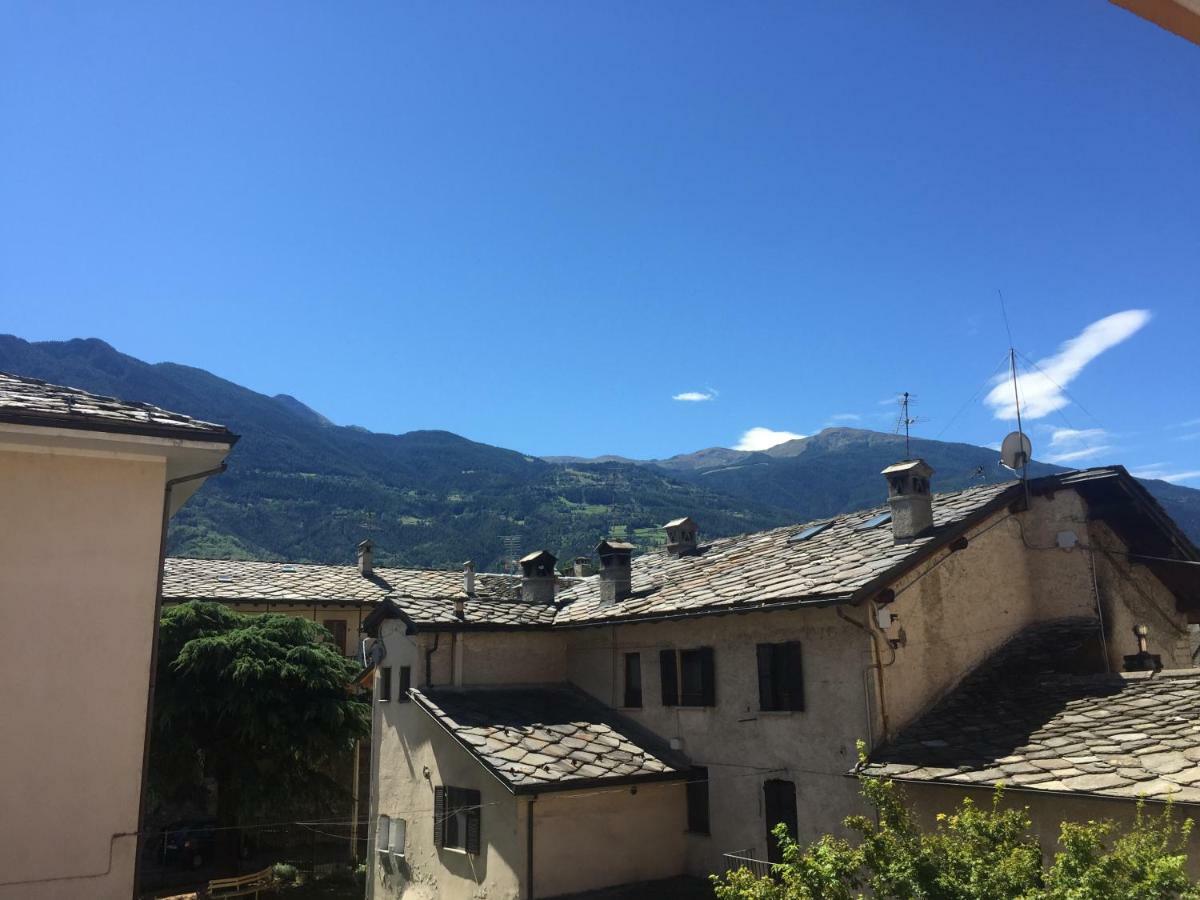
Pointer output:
x,y
810,532
875,522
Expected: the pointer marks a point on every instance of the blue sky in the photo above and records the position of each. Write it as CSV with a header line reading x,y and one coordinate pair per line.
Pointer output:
x,y
537,224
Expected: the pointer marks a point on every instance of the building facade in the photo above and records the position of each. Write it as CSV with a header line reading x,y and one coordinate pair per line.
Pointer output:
x,y
87,484
735,678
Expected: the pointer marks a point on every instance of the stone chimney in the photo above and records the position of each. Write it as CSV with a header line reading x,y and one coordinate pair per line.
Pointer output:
x,y
365,552
616,574
583,566
469,578
1143,660
909,498
538,578
681,536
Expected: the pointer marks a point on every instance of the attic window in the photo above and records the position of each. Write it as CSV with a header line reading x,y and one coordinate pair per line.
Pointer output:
x,y
224,578
810,532
875,522
288,569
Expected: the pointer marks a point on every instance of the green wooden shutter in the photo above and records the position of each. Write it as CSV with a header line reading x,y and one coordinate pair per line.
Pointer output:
x,y
439,817
766,690
670,677
472,801
708,677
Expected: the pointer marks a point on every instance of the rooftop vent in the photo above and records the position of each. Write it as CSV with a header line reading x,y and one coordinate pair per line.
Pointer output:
x,y
681,537
909,498
468,578
365,565
538,578
616,572
583,566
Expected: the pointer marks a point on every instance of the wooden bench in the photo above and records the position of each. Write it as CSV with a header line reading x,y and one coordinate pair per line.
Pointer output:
x,y
243,885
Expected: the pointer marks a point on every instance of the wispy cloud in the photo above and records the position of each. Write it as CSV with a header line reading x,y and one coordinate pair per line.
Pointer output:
x,y
697,396
1042,390
1189,437
1069,445
1165,472
1190,423
845,417
764,438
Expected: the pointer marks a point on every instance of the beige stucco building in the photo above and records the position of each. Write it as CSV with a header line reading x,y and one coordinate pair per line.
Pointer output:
x,y
87,484
731,680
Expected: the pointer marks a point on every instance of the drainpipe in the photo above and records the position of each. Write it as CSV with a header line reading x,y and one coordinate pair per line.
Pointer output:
x,y
158,596
529,847
877,665
437,639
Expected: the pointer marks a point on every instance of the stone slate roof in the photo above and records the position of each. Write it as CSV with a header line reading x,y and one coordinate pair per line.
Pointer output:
x,y
1024,719
537,739
768,567
30,401
424,595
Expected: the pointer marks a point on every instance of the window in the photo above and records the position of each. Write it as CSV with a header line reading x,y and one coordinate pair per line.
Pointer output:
x,y
697,800
875,522
810,532
385,683
382,834
337,630
633,680
399,830
456,818
779,805
688,677
405,684
780,677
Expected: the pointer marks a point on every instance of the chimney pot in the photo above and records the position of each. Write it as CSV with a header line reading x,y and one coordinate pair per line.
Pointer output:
x,y
468,577
682,537
539,580
909,498
583,566
616,573
365,563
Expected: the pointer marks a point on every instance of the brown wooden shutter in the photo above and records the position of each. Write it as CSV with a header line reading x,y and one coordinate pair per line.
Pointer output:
x,y
670,677
708,677
794,676
766,690
472,800
439,817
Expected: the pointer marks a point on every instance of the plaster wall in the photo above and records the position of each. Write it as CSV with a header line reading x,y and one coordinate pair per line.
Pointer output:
x,y
585,841
79,543
740,745
406,742
493,657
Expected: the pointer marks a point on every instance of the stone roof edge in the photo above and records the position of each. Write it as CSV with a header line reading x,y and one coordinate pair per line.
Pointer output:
x,y
1009,787
214,434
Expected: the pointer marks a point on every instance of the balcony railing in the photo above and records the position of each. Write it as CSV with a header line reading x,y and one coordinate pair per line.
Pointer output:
x,y
744,859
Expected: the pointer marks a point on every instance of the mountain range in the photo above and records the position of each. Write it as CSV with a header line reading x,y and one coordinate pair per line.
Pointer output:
x,y
301,488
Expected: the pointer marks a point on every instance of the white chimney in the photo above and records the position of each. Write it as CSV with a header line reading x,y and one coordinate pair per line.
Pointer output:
x,y
909,498
468,578
682,537
616,572
538,578
365,565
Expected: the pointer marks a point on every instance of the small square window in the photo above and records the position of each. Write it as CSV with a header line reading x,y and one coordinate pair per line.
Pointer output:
x,y
385,684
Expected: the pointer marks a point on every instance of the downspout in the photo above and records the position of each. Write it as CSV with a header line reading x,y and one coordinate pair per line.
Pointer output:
x,y
529,847
878,666
437,639
158,596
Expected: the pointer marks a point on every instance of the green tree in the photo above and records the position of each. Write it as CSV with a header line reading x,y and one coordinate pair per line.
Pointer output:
x,y
258,703
973,854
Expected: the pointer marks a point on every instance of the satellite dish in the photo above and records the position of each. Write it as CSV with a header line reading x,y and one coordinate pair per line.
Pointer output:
x,y
376,652
1015,451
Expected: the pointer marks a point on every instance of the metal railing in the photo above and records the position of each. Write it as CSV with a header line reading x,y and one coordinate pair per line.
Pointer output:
x,y
744,859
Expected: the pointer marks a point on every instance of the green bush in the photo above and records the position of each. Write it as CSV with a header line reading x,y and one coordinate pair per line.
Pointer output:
x,y
285,873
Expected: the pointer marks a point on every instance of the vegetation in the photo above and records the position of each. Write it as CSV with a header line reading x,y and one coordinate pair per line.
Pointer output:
x,y
973,854
259,705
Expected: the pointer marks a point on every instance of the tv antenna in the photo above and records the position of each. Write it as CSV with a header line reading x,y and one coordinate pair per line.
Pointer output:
x,y
512,551
370,523
907,419
1016,449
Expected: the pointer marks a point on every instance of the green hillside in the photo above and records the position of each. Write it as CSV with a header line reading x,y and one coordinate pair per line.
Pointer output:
x,y
303,489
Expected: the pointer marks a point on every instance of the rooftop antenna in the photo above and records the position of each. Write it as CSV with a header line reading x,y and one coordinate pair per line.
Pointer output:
x,y
1016,449
512,551
907,420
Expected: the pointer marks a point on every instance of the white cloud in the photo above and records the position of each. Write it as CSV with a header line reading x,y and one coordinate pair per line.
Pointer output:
x,y
1069,445
1191,423
764,438
1042,390
1189,437
1163,472
845,417
696,396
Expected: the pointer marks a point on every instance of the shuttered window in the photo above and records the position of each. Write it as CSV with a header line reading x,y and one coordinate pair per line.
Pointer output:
x,y
697,800
689,677
337,630
456,818
405,684
633,680
385,683
780,676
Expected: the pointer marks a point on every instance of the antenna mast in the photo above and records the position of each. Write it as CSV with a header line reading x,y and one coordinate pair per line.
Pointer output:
x,y
906,421
1012,364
